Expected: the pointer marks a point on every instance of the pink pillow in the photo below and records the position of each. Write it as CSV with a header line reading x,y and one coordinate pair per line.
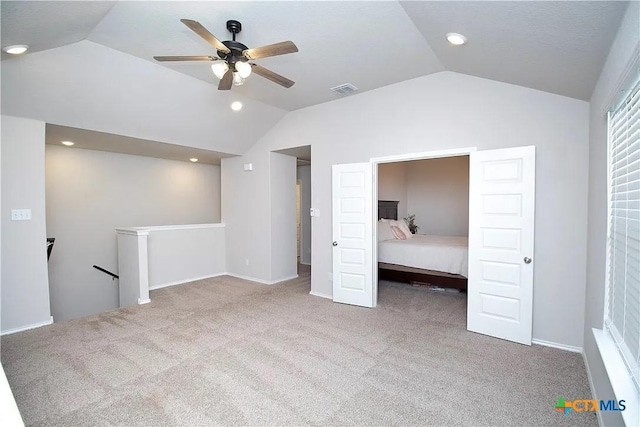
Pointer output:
x,y
398,232
402,225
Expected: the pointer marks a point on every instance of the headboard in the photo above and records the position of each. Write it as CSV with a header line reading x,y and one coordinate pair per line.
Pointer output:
x,y
388,209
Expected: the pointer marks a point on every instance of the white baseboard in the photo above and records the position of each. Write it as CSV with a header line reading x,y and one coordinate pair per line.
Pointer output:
x,y
559,346
180,282
305,263
318,294
593,389
143,301
264,282
251,279
27,327
284,279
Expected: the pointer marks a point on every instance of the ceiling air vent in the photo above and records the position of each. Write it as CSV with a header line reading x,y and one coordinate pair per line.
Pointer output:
x,y
344,89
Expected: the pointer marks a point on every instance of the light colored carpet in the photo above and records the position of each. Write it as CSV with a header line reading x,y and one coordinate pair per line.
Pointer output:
x,y
225,351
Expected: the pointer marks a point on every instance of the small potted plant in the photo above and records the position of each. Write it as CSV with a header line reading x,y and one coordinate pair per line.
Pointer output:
x,y
411,223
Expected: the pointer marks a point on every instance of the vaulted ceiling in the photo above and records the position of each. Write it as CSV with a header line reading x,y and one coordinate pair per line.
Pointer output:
x,y
90,65
558,47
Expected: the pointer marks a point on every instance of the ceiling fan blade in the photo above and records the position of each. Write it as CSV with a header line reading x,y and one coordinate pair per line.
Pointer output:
x,y
197,28
270,75
226,81
185,58
276,49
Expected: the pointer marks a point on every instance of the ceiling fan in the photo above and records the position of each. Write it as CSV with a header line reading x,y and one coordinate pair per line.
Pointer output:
x,y
232,64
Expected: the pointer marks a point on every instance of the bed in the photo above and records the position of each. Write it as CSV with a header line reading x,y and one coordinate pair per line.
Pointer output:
x,y
435,260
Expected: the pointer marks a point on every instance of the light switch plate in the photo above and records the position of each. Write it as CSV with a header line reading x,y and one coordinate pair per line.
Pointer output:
x,y
20,214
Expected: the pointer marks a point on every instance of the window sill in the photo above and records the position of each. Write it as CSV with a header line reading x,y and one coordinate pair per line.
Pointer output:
x,y
621,382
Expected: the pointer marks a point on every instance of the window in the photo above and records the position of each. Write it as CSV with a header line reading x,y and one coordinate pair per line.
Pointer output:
x,y
622,318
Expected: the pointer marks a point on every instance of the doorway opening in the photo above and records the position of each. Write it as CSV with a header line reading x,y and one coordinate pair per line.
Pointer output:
x,y
302,206
422,236
413,164
500,243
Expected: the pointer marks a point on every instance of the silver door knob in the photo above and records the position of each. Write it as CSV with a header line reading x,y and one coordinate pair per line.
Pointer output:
x,y
335,243
527,260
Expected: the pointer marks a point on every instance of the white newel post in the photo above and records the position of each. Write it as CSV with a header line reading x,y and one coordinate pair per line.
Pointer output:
x,y
133,266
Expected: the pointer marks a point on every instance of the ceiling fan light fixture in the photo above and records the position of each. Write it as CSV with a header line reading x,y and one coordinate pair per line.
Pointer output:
x,y
219,68
243,69
238,80
456,39
231,64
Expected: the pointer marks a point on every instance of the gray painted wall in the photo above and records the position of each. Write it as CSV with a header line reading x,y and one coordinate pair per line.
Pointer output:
x,y
435,190
284,258
246,212
438,194
91,193
304,176
185,255
108,95
25,284
444,111
619,71
392,184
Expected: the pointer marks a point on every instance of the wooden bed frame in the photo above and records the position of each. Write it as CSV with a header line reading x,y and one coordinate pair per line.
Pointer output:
x,y
400,273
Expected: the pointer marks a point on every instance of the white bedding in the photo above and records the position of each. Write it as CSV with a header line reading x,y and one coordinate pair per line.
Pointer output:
x,y
440,253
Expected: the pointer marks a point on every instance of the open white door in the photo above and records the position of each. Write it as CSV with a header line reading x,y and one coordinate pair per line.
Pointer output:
x,y
352,235
501,219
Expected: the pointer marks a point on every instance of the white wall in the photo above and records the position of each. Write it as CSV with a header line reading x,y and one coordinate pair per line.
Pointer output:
x,y
438,194
246,211
444,111
435,190
284,259
392,184
90,86
619,71
184,254
25,285
91,193
260,206
304,176
9,412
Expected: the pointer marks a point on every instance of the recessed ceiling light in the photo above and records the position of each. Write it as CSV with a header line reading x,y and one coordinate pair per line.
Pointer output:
x,y
456,39
193,159
67,143
236,106
16,49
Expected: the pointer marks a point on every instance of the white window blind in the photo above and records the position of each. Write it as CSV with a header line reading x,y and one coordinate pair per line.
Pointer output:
x,y
623,293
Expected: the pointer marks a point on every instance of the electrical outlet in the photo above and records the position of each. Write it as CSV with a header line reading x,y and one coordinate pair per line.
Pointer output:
x,y
330,277
246,261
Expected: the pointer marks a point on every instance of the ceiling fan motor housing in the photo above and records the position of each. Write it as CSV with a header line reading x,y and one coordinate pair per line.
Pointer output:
x,y
236,49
